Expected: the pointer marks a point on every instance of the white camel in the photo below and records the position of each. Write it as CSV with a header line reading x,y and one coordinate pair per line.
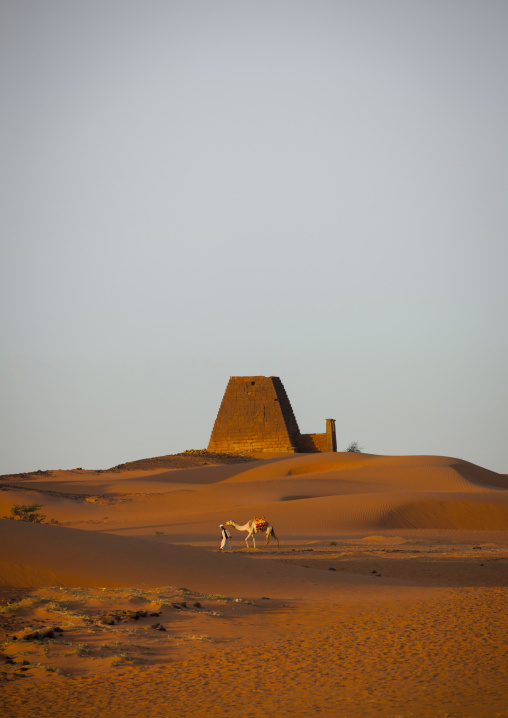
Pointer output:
x,y
254,526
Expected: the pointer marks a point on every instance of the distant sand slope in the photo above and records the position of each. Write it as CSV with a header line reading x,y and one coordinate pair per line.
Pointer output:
x,y
421,471
449,511
304,495
328,492
330,515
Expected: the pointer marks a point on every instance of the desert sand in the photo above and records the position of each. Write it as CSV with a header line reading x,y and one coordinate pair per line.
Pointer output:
x,y
387,596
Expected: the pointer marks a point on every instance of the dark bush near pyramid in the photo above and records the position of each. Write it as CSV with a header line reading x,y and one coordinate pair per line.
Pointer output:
x,y
256,415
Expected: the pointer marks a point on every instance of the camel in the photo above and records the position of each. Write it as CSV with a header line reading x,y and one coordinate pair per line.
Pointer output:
x,y
254,526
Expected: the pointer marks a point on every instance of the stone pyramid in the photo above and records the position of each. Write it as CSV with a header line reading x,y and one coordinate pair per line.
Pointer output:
x,y
255,415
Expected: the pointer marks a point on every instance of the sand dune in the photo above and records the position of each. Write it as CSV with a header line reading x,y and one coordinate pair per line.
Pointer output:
x,y
411,472
316,495
388,590
305,497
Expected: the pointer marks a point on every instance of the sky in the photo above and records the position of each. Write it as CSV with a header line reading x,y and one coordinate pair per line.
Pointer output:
x,y
309,189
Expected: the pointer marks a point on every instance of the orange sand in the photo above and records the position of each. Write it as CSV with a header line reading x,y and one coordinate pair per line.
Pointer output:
x,y
410,621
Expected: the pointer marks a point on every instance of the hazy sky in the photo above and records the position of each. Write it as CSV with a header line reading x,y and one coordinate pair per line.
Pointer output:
x,y
311,189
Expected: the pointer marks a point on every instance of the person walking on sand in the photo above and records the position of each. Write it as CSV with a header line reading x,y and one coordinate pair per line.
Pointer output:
x,y
225,536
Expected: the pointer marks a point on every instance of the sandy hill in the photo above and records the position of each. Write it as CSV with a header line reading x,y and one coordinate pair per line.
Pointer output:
x,y
306,497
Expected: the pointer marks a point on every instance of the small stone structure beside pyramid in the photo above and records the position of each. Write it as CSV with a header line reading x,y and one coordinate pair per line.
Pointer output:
x,y
256,416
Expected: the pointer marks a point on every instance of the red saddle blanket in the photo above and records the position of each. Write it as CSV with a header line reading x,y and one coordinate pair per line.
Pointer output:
x,y
261,524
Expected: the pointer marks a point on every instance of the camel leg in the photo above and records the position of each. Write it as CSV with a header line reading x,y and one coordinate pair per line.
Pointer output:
x,y
272,532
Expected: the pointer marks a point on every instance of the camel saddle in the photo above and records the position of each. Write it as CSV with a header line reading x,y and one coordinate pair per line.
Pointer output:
x,y
261,524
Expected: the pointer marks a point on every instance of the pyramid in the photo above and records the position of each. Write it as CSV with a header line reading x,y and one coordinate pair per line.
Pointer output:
x,y
255,415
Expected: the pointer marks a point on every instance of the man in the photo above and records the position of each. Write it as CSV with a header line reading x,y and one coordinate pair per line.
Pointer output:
x,y
225,536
